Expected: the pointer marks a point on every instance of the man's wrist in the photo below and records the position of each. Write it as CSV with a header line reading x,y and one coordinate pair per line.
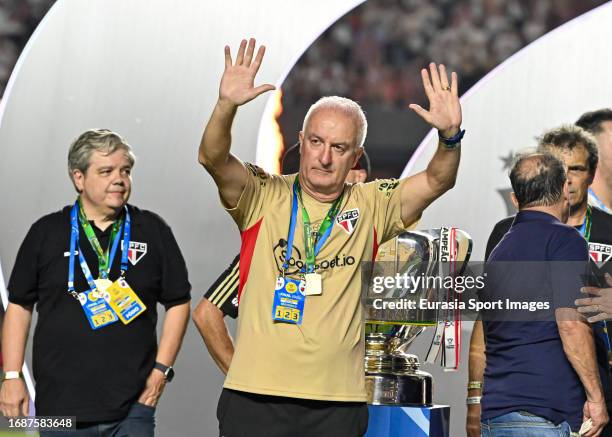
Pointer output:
x,y
167,371
473,385
448,141
451,132
225,106
473,400
595,394
11,374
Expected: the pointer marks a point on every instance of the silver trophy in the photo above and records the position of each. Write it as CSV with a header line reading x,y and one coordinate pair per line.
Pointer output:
x,y
397,314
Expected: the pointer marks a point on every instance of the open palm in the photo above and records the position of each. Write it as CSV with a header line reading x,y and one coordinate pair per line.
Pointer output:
x,y
444,109
238,81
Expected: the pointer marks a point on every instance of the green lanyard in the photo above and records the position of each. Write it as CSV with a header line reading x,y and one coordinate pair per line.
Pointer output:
x,y
313,243
585,229
103,267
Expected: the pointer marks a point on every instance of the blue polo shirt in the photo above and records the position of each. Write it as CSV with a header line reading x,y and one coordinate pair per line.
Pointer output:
x,y
526,368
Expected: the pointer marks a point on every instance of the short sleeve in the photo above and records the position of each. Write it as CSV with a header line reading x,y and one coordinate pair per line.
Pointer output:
x,y
569,268
23,284
253,198
386,197
224,292
175,283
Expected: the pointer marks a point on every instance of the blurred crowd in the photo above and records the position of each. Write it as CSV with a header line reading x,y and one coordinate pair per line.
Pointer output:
x,y
375,52
18,19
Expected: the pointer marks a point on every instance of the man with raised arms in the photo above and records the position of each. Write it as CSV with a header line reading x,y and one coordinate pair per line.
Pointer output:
x,y
297,367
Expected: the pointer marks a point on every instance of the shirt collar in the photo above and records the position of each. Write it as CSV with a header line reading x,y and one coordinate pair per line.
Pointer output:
x,y
135,214
534,216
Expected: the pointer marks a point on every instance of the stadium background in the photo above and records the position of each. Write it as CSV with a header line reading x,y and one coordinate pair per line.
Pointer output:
x,y
372,53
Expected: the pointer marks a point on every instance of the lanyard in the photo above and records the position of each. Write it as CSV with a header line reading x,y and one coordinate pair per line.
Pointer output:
x,y
312,245
104,261
585,230
598,201
74,242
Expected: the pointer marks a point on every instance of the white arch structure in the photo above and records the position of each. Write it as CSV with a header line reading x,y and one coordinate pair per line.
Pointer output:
x,y
150,70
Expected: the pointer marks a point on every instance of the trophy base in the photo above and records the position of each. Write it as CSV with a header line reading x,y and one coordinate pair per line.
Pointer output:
x,y
409,389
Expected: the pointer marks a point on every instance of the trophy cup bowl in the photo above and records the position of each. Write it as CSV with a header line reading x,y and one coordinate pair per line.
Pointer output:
x,y
392,374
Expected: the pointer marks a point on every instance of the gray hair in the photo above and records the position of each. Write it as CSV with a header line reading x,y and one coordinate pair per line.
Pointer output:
x,y
345,106
100,140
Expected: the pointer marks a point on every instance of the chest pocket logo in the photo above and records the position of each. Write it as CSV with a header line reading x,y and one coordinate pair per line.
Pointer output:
x,y
136,251
600,253
348,220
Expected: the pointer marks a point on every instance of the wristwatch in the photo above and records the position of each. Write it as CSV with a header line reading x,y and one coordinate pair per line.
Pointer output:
x,y
168,371
11,374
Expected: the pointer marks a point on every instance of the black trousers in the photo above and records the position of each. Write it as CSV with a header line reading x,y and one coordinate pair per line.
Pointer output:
x,y
242,414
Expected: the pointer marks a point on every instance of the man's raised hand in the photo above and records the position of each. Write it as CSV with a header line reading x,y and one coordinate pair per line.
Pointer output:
x,y
237,84
444,109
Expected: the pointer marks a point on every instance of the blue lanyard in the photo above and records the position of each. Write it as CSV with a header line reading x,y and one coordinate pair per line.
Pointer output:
x,y
74,242
598,201
320,242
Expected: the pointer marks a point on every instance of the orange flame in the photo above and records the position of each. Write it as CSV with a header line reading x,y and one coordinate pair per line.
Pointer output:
x,y
279,143
271,144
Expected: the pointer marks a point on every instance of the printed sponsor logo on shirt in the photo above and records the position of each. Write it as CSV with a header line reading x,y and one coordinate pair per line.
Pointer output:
x,y
600,253
257,172
348,220
136,251
388,185
296,263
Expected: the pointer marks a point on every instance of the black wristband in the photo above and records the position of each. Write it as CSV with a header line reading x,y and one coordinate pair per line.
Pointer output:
x,y
452,142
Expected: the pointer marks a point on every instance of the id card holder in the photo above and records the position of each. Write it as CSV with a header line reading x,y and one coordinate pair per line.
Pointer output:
x,y
288,305
313,284
124,301
97,310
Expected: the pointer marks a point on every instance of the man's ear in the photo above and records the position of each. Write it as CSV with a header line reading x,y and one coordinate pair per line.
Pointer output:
x,y
514,200
301,141
78,179
357,156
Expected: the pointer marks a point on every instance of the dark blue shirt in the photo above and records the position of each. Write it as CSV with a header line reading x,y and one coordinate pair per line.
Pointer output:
x,y
526,367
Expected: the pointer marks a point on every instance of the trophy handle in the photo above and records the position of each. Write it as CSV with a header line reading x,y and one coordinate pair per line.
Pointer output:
x,y
403,338
464,249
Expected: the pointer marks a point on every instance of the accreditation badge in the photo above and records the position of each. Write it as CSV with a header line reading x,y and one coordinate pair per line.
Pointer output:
x,y
101,286
96,309
125,301
288,305
313,284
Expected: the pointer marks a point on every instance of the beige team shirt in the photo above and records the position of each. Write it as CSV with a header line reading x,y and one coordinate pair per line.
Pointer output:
x,y
323,357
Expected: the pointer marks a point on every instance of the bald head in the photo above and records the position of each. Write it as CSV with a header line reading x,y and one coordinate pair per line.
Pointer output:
x,y
537,180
